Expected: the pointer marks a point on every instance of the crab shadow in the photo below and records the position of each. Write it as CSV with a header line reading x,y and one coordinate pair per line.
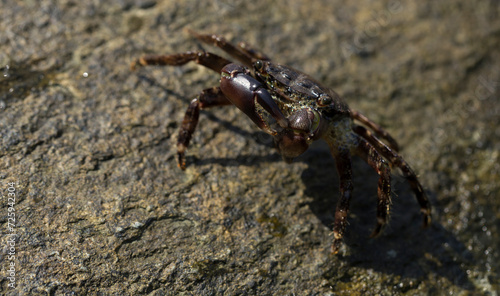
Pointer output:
x,y
404,248
260,138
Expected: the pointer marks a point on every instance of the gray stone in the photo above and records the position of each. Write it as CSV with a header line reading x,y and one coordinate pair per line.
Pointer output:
x,y
101,207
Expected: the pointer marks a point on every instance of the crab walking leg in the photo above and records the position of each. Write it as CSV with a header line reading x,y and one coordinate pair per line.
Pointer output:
x,y
343,163
252,52
379,131
243,52
369,154
396,160
206,59
210,97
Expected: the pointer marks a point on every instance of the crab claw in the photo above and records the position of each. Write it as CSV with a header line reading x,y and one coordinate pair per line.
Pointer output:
x,y
291,144
304,127
244,92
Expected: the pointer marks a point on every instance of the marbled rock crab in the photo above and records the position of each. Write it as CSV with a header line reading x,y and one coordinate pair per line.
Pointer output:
x,y
295,110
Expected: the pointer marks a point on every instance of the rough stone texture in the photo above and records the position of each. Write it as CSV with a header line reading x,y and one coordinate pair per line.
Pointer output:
x,y
101,207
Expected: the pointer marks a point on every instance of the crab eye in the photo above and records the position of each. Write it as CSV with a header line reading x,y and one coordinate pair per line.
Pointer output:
x,y
259,65
324,100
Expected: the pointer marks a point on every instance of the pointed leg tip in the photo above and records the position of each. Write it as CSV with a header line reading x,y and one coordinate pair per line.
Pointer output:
x,y
427,217
196,34
137,63
190,31
133,65
181,161
378,229
375,233
334,250
336,247
337,242
427,220
182,165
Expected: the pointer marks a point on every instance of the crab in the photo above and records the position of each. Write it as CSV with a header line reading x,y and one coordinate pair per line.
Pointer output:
x,y
295,110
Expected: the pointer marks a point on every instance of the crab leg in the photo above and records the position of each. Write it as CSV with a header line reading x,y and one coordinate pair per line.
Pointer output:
x,y
343,163
210,97
237,87
369,154
206,59
408,173
243,52
379,131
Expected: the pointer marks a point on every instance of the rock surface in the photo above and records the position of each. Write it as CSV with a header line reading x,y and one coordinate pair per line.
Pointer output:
x,y
88,148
